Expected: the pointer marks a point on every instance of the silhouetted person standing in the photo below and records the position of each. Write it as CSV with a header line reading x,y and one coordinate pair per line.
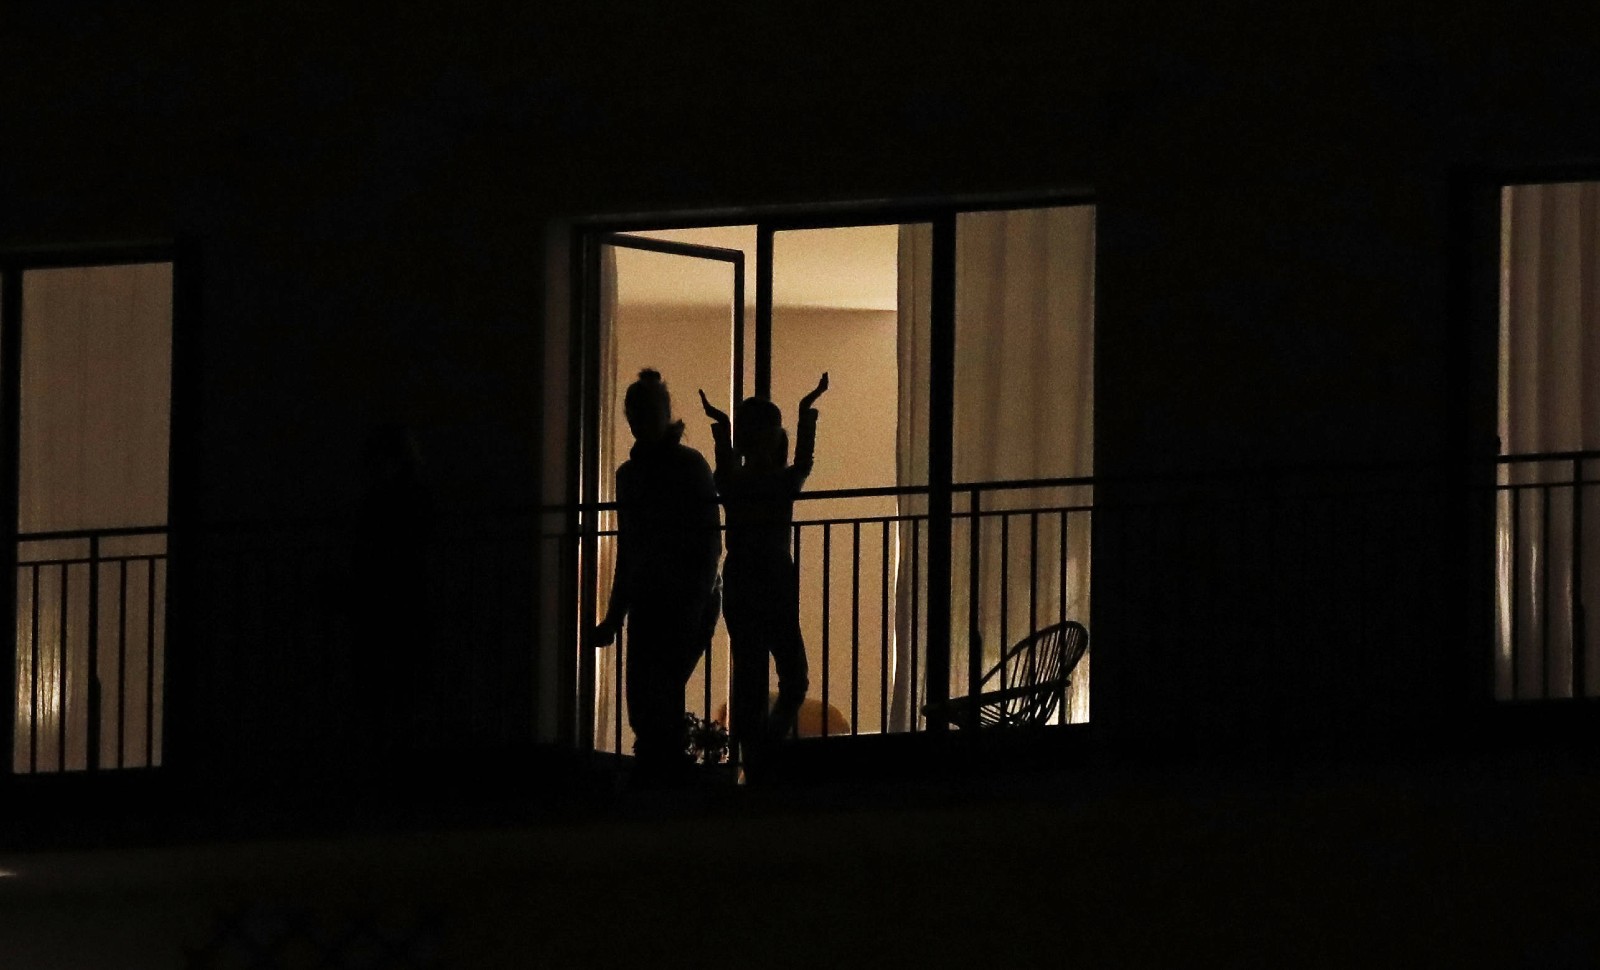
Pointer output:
x,y
665,585
760,580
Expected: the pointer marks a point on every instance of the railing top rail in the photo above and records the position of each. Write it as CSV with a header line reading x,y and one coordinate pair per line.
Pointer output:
x,y
1547,456
900,491
131,530
86,560
1074,481
1223,475
510,515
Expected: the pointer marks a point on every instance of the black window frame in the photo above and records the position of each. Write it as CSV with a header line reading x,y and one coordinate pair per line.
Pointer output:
x,y
942,215
182,455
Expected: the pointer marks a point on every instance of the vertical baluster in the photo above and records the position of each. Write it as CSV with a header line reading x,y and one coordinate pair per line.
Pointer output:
x,y
1005,604
1033,571
1033,593
1516,589
618,660
706,659
1061,572
827,598
150,663
916,621
1061,606
1575,576
1544,592
711,636
766,666
855,626
33,728
883,644
61,677
974,634
91,751
122,661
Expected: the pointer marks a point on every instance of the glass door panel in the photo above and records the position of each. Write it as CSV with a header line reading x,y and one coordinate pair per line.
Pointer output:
x,y
840,303
675,307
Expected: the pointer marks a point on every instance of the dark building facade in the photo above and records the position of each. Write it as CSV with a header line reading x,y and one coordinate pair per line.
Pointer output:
x,y
372,220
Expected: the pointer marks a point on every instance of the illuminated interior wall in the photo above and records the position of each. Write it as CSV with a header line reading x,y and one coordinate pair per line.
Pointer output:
x,y
855,449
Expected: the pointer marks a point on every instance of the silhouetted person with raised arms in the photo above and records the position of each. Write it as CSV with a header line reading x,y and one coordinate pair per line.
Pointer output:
x,y
761,585
668,545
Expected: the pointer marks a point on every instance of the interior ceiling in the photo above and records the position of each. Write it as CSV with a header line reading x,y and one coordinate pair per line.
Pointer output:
x,y
849,269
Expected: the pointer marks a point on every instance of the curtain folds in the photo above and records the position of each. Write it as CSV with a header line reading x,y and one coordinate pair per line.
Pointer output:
x,y
915,289
608,696
1549,402
95,416
1024,393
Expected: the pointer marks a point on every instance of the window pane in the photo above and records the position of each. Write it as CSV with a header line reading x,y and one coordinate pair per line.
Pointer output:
x,y
842,305
1024,410
95,396
96,379
1549,399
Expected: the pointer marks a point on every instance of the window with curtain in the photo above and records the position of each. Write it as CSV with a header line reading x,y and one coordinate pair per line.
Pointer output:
x,y
855,300
1024,410
1548,519
95,395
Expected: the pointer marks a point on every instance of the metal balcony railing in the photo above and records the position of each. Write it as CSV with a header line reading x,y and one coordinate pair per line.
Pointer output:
x,y
1336,565
1019,555
1547,527
91,631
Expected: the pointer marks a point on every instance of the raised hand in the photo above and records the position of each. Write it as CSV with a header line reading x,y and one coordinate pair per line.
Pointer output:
x,y
816,392
721,417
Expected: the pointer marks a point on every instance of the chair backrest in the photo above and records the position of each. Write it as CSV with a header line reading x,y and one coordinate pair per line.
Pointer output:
x,y
1043,658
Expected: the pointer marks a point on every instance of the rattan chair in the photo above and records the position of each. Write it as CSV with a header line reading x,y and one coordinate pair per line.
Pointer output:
x,y
1028,683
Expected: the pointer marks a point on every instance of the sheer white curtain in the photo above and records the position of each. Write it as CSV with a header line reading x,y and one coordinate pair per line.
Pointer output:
x,y
1549,401
1024,394
911,461
613,446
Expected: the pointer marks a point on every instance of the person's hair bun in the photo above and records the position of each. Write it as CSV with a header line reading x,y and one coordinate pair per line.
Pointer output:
x,y
650,374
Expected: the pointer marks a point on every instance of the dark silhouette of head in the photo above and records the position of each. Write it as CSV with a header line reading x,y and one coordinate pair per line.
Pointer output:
x,y
648,406
758,433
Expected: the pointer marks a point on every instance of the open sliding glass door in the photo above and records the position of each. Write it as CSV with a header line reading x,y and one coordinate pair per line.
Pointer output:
x,y
676,307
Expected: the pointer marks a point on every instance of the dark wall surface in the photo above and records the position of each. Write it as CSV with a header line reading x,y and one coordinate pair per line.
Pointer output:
x,y
368,196
1460,864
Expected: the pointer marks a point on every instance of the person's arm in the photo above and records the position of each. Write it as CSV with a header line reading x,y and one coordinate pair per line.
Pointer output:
x,y
727,460
805,442
606,630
